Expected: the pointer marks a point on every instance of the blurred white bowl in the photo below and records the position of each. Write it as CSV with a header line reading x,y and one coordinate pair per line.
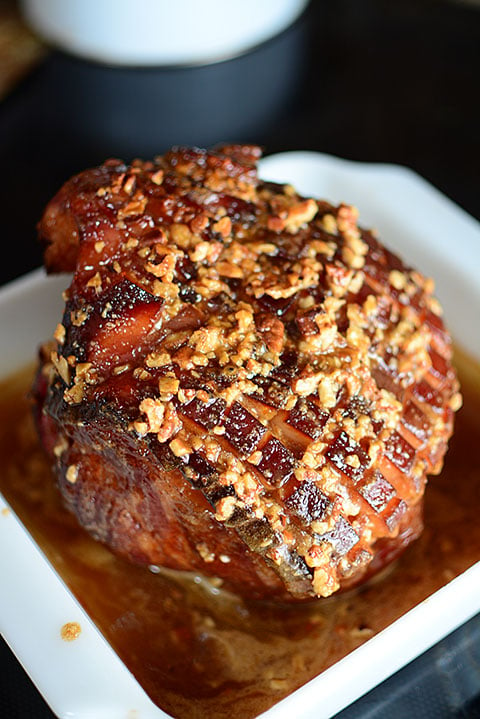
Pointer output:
x,y
159,32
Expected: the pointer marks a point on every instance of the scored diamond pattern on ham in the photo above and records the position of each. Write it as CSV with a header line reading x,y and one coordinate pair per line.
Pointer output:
x,y
244,383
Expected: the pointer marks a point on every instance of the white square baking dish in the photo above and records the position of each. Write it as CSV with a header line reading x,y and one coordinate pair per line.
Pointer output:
x,y
85,679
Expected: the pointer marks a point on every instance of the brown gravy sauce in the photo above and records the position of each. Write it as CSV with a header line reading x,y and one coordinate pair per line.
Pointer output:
x,y
199,652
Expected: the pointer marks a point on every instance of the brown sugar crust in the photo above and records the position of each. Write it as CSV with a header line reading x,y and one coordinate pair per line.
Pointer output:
x,y
245,382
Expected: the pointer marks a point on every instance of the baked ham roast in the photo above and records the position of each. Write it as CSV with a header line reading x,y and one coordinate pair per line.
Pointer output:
x,y
245,383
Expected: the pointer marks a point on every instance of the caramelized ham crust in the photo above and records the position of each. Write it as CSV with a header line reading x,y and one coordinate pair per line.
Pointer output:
x,y
245,383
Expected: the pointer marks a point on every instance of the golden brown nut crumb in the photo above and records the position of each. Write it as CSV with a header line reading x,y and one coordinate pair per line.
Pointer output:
x,y
70,631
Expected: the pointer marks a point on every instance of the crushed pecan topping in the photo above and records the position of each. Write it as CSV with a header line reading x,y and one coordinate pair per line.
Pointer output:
x,y
249,368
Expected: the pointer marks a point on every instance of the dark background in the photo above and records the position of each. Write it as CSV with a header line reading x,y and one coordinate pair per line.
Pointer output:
x,y
370,80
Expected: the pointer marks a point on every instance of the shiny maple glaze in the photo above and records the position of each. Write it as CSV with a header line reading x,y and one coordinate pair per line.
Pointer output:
x,y
199,652
210,319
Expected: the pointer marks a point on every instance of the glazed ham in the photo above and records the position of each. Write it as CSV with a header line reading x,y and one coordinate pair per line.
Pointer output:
x,y
245,383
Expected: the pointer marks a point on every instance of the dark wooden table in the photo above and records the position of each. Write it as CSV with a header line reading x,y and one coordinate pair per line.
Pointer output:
x,y
373,80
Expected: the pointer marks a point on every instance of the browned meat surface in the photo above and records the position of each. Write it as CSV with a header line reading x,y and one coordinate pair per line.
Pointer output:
x,y
244,383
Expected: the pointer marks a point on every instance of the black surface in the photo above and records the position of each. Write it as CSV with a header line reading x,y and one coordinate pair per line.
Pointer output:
x,y
443,682
372,80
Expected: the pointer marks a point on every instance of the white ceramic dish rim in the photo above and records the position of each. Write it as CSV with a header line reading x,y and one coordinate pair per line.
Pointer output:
x,y
85,679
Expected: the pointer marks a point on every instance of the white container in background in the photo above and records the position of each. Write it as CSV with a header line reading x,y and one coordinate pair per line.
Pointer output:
x,y
159,32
